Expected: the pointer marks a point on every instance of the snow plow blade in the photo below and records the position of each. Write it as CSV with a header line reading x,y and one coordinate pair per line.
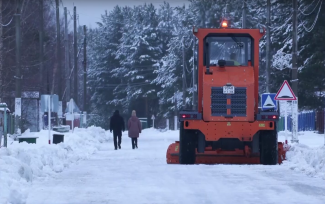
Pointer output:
x,y
223,157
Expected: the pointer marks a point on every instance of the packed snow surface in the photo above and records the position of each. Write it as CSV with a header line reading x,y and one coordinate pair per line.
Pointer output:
x,y
86,169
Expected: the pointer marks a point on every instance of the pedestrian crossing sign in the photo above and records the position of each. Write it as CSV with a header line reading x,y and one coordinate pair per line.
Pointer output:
x,y
268,102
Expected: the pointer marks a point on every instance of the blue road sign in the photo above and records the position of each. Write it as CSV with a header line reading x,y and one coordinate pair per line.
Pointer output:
x,y
268,101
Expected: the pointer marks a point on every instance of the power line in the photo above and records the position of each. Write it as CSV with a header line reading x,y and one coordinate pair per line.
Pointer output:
x,y
70,15
62,3
302,12
314,23
128,84
123,86
7,23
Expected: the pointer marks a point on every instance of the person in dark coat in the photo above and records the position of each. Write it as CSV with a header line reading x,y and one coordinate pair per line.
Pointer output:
x,y
117,126
134,127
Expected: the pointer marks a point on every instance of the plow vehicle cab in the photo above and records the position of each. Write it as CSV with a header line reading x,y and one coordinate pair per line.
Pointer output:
x,y
228,126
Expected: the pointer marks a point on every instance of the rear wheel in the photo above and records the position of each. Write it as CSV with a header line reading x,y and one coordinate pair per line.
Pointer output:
x,y
187,144
269,147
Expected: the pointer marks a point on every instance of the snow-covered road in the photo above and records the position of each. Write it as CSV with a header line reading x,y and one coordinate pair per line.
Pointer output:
x,y
142,176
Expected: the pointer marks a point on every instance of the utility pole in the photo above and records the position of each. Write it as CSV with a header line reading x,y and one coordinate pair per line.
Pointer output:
x,y
58,46
294,49
66,58
268,45
175,113
18,71
194,76
41,45
71,64
1,56
184,78
75,55
85,69
41,59
58,54
244,14
294,72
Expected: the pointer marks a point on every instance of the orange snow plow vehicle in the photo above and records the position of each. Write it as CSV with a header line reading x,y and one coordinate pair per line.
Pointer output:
x,y
228,126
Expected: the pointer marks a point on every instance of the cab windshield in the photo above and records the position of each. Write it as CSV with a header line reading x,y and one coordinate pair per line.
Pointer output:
x,y
236,51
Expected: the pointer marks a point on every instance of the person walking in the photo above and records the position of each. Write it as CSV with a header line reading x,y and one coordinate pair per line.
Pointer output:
x,y
117,126
134,127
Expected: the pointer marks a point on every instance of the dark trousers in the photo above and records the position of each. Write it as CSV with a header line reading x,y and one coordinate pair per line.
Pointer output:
x,y
117,139
134,142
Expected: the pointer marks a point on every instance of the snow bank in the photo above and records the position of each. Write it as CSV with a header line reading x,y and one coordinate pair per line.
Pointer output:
x,y
308,160
21,163
308,156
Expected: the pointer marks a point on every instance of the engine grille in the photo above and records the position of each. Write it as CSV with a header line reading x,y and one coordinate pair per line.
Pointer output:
x,y
237,105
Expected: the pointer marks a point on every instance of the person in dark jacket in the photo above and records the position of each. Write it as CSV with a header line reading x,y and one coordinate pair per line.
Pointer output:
x,y
134,127
117,126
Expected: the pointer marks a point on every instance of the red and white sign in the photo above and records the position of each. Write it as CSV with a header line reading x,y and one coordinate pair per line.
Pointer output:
x,y
285,93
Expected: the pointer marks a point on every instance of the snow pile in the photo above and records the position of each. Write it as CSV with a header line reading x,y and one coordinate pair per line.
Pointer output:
x,y
308,160
21,163
308,156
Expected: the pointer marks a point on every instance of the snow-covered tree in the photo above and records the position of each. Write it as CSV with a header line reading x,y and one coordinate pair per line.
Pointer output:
x,y
102,46
136,54
139,54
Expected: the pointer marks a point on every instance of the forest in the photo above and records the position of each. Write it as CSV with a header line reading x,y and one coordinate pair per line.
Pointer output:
x,y
135,55
38,74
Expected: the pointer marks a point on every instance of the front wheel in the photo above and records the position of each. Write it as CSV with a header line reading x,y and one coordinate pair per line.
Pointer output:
x,y
186,146
269,147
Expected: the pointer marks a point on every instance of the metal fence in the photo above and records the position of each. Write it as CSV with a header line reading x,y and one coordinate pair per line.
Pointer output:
x,y
307,121
320,121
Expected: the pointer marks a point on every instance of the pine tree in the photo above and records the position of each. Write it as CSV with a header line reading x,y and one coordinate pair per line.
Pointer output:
x,y
102,46
170,74
311,55
137,53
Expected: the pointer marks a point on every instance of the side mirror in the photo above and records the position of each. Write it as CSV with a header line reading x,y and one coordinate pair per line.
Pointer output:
x,y
222,63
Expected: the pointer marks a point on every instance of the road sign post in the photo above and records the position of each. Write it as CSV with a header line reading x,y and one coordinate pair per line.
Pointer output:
x,y
286,120
286,94
294,107
49,117
153,121
4,125
175,122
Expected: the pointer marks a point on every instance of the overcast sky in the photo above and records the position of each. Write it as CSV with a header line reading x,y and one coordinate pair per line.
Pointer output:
x,y
89,11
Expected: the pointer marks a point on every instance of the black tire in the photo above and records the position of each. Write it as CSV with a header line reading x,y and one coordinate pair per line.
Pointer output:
x,y
186,146
269,147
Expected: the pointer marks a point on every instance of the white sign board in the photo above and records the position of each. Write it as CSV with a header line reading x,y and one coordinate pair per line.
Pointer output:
x,y
60,109
71,106
17,106
69,117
